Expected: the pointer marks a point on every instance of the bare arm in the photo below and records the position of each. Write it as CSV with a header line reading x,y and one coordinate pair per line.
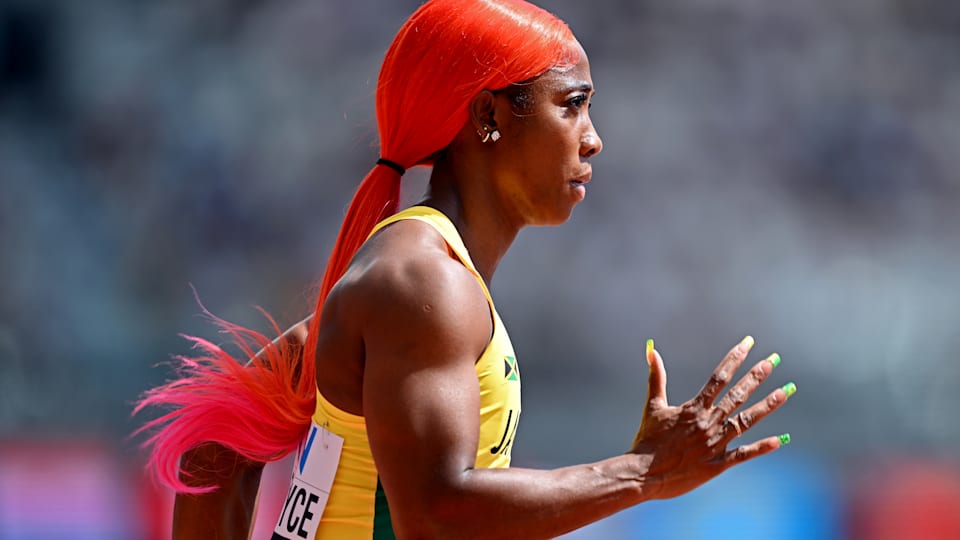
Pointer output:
x,y
227,512
427,326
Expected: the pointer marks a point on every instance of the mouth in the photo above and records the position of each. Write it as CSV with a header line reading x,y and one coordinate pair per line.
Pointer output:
x,y
581,180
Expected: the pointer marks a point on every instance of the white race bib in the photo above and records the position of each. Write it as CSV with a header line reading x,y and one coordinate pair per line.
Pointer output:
x,y
316,464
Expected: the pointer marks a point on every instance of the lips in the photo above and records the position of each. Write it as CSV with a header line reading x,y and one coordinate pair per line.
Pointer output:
x,y
583,179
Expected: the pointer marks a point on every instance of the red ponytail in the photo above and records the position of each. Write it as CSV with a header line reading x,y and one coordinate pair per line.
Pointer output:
x,y
446,53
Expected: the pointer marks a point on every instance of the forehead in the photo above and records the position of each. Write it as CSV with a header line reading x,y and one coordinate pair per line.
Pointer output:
x,y
565,79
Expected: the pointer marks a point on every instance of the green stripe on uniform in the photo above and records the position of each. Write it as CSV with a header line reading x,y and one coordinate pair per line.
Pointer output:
x,y
382,525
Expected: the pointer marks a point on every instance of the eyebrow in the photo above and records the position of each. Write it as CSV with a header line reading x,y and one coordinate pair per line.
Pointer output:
x,y
583,87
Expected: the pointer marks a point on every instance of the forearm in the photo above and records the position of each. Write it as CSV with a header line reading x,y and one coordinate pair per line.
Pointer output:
x,y
225,513
527,503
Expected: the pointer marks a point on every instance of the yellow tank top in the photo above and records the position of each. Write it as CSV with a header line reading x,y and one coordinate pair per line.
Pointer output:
x,y
357,507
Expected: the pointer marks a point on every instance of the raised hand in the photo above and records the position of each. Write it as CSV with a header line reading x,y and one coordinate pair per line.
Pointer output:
x,y
686,445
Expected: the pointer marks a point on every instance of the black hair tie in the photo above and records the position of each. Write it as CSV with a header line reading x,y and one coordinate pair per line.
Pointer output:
x,y
393,165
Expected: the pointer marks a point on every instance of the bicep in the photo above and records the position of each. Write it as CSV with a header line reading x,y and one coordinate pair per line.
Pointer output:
x,y
294,337
421,394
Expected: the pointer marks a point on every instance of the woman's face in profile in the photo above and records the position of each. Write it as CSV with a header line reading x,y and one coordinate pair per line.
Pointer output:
x,y
547,140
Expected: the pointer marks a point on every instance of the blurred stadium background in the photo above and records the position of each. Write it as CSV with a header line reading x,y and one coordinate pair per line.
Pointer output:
x,y
788,170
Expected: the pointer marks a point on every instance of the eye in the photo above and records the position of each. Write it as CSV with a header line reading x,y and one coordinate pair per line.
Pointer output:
x,y
579,100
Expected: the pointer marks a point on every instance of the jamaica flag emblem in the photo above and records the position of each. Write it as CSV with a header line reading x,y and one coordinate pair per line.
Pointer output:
x,y
511,372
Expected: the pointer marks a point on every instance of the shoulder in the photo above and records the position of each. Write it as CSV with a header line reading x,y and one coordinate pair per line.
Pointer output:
x,y
405,285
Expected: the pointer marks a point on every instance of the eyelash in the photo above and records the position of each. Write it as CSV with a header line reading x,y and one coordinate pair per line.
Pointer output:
x,y
578,101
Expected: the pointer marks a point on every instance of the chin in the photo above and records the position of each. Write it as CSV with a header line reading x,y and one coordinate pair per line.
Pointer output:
x,y
558,218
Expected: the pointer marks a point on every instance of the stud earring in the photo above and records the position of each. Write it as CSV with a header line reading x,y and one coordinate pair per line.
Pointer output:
x,y
489,135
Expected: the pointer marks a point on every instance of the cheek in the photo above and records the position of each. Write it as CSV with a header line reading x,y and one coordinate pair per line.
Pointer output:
x,y
546,136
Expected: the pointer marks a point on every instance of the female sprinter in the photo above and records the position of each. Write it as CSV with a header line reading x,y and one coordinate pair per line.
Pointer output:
x,y
403,401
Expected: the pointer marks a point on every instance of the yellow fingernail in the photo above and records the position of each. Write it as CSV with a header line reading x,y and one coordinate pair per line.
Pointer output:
x,y
747,343
789,389
649,346
774,360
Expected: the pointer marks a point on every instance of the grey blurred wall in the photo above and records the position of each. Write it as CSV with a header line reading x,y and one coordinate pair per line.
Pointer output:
x,y
787,170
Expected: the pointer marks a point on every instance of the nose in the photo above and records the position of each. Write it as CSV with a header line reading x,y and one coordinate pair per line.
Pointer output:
x,y
590,143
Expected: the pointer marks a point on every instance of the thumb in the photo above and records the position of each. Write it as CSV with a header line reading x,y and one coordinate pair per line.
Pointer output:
x,y
657,382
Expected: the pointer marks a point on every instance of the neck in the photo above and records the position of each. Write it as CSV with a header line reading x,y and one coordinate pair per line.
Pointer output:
x,y
459,192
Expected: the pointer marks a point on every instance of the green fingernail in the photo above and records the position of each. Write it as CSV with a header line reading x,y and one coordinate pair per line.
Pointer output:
x,y
774,360
789,389
784,439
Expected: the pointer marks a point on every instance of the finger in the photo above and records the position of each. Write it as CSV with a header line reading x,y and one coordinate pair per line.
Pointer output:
x,y
724,372
736,426
742,454
741,392
657,380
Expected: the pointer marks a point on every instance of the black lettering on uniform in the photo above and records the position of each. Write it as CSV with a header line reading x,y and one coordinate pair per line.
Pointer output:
x,y
286,505
506,431
513,433
307,514
298,499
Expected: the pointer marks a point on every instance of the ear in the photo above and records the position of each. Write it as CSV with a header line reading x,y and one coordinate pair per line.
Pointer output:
x,y
482,108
